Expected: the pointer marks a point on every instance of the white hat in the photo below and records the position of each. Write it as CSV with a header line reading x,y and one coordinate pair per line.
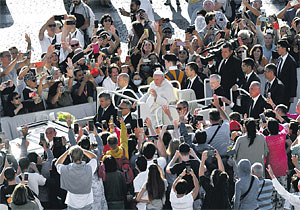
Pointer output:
x,y
158,72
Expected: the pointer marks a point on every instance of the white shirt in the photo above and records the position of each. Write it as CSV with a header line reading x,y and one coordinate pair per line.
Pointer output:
x,y
138,183
255,100
293,199
192,81
248,75
161,161
185,202
80,200
34,181
108,84
47,41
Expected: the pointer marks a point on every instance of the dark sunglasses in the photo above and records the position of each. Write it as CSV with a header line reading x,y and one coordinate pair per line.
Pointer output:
x,y
167,32
107,20
182,52
75,45
52,25
17,98
34,80
179,108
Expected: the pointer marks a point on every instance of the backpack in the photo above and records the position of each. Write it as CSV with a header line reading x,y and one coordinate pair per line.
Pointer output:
x,y
124,166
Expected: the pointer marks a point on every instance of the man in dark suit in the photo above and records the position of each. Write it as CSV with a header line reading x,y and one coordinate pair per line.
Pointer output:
x,y
230,69
274,87
194,82
254,104
106,109
123,84
184,105
250,75
126,106
287,72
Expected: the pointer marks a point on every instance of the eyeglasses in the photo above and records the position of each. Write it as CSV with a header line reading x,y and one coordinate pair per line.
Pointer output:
x,y
182,52
167,32
107,20
17,98
34,80
52,25
75,45
179,108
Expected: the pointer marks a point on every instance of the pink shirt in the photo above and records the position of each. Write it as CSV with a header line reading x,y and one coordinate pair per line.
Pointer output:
x,y
277,157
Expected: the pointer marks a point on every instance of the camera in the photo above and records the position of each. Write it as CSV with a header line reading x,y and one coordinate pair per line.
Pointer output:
x,y
71,22
59,17
96,23
211,153
57,46
190,29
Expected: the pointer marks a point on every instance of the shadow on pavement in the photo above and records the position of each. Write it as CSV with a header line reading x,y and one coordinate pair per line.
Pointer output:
x,y
6,19
178,19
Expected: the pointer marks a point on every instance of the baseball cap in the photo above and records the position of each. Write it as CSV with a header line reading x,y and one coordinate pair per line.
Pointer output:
x,y
235,126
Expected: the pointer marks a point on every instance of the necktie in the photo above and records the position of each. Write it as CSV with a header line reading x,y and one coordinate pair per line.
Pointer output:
x,y
268,86
190,84
280,60
251,107
222,64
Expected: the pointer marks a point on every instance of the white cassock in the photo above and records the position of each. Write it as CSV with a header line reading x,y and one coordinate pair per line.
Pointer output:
x,y
165,96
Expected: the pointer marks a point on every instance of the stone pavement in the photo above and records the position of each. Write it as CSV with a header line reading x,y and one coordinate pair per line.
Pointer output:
x,y
20,17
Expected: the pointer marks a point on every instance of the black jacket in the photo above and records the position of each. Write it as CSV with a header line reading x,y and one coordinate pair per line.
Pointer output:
x,y
246,84
277,91
111,111
197,86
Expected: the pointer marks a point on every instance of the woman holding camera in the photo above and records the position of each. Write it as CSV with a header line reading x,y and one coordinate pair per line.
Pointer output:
x,y
14,105
59,95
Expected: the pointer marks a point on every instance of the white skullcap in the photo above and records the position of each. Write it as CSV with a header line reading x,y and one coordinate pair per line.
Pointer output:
x,y
158,72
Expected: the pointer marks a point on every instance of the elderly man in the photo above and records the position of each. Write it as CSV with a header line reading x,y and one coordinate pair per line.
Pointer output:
x,y
160,93
76,178
123,80
215,85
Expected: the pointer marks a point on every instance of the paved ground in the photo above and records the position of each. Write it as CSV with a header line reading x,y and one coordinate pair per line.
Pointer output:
x,y
20,17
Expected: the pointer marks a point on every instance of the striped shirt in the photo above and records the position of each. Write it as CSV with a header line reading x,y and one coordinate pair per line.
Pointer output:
x,y
265,197
176,74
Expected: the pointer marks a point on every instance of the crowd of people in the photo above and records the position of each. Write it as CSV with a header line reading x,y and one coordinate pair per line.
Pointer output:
x,y
245,158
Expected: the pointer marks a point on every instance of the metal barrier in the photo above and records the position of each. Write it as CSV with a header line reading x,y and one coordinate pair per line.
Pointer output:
x,y
121,95
205,89
239,89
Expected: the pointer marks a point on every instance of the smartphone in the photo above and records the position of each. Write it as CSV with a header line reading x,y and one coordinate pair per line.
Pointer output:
x,y
170,127
71,22
210,153
238,16
153,138
95,48
179,44
91,125
146,31
166,20
294,2
181,139
264,19
119,114
188,167
57,141
228,25
26,176
42,139
96,23
140,122
263,118
32,95
59,17
7,83
76,128
50,77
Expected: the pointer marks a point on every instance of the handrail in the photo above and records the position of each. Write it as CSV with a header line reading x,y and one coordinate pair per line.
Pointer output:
x,y
240,89
175,81
123,96
156,112
142,87
204,84
122,91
